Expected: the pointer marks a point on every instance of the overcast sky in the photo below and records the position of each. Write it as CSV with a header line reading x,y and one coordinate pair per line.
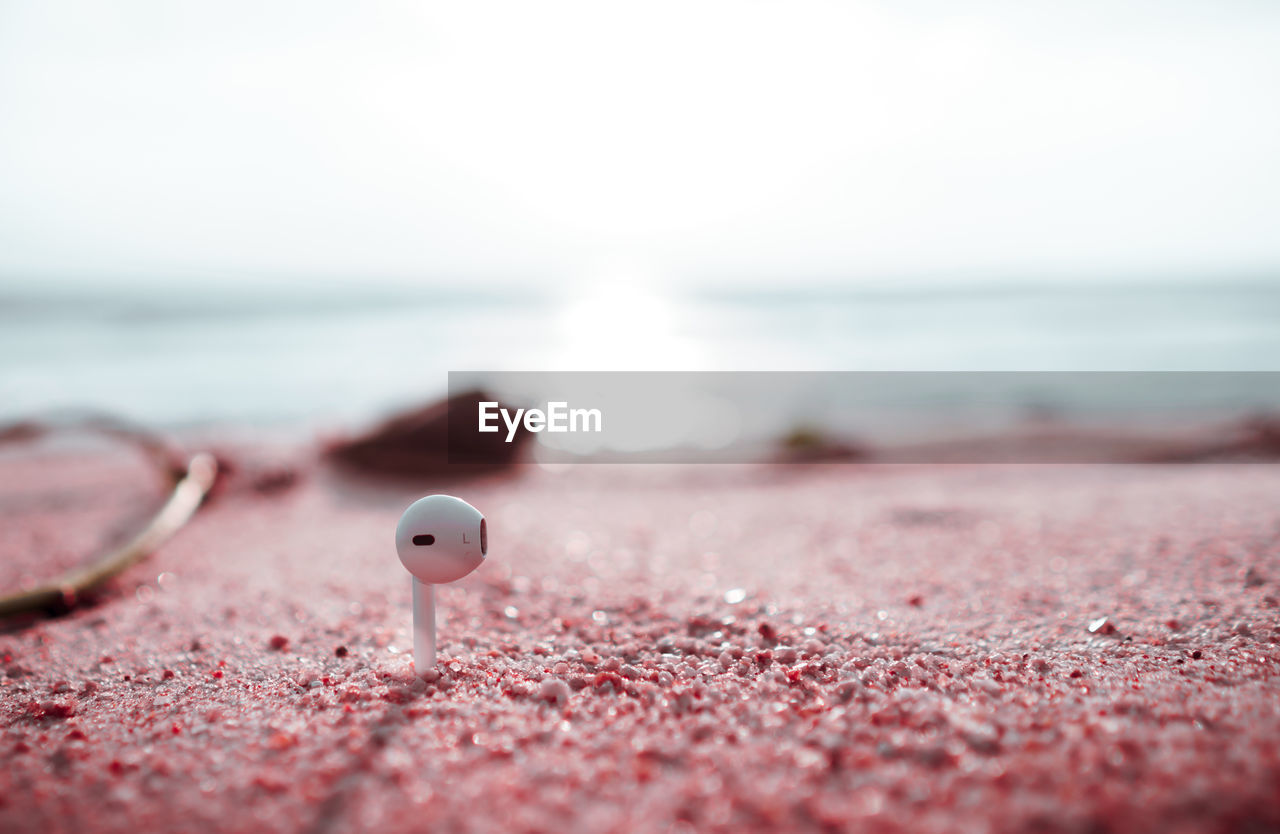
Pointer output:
x,y
692,141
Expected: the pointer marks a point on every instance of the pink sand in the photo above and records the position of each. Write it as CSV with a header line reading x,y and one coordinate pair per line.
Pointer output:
x,y
835,648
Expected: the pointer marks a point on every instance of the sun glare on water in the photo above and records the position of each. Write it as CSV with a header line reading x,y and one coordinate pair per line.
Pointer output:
x,y
620,324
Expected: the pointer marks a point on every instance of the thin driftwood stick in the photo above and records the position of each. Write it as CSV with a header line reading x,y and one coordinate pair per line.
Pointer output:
x,y
190,486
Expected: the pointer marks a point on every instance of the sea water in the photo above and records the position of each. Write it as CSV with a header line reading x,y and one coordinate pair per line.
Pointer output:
x,y
339,357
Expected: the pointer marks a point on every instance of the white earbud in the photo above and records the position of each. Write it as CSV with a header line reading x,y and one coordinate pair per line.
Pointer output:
x,y
439,539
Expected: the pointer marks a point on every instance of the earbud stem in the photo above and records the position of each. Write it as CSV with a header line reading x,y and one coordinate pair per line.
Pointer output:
x,y
424,626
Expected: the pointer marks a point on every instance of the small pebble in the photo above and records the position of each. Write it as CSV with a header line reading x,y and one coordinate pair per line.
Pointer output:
x,y
555,691
1101,626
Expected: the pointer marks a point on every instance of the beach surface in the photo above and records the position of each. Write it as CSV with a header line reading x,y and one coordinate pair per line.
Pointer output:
x,y
910,648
